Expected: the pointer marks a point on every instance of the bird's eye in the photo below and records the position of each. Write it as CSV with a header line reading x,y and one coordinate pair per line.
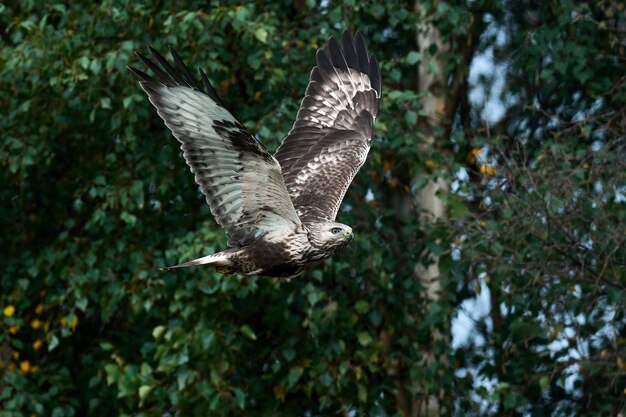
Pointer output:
x,y
335,230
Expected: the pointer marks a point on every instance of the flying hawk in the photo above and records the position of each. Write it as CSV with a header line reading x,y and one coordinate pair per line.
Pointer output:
x,y
278,211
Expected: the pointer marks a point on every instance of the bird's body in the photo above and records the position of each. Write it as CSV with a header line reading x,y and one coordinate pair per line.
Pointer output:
x,y
274,255
279,210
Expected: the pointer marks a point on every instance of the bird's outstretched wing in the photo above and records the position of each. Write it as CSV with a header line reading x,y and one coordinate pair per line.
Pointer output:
x,y
241,180
331,136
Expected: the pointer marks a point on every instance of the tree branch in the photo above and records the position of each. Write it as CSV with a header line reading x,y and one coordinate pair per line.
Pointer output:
x,y
456,90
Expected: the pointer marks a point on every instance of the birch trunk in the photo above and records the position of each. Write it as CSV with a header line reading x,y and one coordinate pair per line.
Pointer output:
x,y
431,208
446,92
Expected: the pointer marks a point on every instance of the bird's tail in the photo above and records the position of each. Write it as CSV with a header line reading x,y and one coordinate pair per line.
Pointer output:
x,y
219,260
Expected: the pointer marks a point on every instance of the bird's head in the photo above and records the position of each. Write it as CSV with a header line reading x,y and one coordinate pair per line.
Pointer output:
x,y
330,236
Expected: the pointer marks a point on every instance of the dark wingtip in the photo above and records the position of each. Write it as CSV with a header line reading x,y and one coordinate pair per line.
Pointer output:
x,y
184,71
336,54
140,74
322,56
142,57
210,90
375,77
349,51
358,35
154,52
362,53
171,72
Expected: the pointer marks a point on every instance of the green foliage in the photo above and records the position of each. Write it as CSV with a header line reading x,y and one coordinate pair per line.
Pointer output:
x,y
96,198
544,230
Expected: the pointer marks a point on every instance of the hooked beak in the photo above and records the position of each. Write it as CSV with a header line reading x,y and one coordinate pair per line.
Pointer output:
x,y
350,236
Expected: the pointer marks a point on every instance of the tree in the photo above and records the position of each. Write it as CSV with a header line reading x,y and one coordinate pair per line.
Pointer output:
x,y
541,235
96,197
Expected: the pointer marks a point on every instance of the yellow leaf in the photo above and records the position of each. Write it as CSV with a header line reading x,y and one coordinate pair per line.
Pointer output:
x,y
35,324
487,170
279,392
39,309
13,329
25,366
473,155
429,164
37,344
9,310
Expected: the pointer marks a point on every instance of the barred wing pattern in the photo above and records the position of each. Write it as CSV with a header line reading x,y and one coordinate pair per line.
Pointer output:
x,y
241,180
331,137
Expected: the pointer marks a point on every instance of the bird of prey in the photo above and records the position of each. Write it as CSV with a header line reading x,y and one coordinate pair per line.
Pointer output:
x,y
278,211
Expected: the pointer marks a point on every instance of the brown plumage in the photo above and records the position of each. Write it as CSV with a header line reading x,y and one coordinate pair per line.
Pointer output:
x,y
278,211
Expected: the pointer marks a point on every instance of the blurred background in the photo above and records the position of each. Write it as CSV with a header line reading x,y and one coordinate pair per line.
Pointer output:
x,y
488,273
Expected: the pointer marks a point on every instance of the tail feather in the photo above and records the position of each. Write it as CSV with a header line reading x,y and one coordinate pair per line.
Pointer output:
x,y
218,260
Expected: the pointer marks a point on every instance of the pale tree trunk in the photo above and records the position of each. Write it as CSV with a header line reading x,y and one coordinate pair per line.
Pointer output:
x,y
404,205
446,94
431,208
411,399
440,105
431,78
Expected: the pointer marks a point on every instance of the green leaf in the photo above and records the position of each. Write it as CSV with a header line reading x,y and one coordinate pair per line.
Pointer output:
x,y
240,398
313,297
53,342
294,375
84,62
182,378
144,391
362,393
261,35
158,331
95,66
413,57
364,338
82,303
248,332
457,207
127,101
105,103
146,370
128,218
411,117
361,306
502,387
289,354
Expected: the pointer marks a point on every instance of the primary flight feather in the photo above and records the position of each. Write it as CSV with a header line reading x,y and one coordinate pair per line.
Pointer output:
x,y
278,211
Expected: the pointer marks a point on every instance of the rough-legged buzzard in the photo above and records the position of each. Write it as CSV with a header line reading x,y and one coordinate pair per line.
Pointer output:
x,y
278,211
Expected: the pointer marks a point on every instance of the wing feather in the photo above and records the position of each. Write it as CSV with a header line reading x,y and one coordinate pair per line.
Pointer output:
x,y
331,136
241,180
